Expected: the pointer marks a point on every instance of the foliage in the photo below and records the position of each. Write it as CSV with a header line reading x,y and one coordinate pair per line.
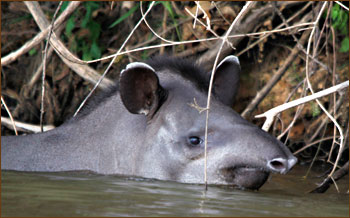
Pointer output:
x,y
167,5
340,22
32,52
124,16
86,41
315,109
17,20
173,16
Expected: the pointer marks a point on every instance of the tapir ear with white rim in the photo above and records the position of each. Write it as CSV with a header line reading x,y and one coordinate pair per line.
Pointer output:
x,y
140,90
226,80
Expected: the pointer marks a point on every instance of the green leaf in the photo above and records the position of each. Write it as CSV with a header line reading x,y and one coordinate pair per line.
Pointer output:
x,y
19,19
343,21
90,7
335,11
87,16
70,26
144,55
95,30
315,109
127,14
344,47
32,52
94,5
168,6
64,6
86,52
87,56
95,51
74,46
336,24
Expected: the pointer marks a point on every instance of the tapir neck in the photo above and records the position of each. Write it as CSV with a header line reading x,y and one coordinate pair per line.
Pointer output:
x,y
105,141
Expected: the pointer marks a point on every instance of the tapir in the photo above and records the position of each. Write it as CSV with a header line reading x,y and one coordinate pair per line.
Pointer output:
x,y
150,124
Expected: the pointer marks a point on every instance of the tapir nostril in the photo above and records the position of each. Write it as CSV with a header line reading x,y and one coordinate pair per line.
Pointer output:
x,y
279,165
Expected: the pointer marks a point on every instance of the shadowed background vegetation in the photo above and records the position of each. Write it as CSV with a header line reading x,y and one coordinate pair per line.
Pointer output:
x,y
98,29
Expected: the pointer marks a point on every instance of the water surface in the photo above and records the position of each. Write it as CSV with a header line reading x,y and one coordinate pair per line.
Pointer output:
x,y
87,194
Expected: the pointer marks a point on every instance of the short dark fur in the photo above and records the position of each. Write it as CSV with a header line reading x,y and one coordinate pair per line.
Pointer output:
x,y
183,67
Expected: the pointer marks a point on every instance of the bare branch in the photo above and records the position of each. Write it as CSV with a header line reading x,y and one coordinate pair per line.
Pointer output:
x,y
270,114
67,57
40,36
42,110
329,180
13,124
9,113
343,6
276,77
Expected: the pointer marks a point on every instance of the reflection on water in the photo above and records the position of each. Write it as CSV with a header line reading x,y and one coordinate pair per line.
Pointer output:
x,y
85,194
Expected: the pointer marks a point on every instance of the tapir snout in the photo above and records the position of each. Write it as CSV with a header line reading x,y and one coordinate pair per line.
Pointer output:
x,y
240,154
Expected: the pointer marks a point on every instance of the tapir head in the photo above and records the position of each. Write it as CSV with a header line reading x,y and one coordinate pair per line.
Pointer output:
x,y
171,93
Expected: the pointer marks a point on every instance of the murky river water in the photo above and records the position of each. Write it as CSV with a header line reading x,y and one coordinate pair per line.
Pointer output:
x,y
84,194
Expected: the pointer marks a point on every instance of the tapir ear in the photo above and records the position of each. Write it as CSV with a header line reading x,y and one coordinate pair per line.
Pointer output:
x,y
226,80
139,89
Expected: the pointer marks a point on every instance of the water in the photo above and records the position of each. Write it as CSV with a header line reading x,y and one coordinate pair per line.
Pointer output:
x,y
86,194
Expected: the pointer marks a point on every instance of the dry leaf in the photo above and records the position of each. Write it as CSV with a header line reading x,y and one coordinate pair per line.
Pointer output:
x,y
228,11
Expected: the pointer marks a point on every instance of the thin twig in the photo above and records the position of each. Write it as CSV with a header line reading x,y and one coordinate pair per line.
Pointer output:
x,y
325,119
38,71
162,33
344,170
315,155
165,18
205,15
279,26
241,13
297,113
207,27
9,113
196,41
312,143
42,109
247,25
220,12
334,95
196,106
318,102
195,20
150,28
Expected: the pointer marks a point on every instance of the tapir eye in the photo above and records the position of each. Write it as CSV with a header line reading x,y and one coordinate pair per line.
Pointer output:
x,y
194,140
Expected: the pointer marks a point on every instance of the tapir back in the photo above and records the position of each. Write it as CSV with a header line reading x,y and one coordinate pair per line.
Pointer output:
x,y
50,151
94,141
